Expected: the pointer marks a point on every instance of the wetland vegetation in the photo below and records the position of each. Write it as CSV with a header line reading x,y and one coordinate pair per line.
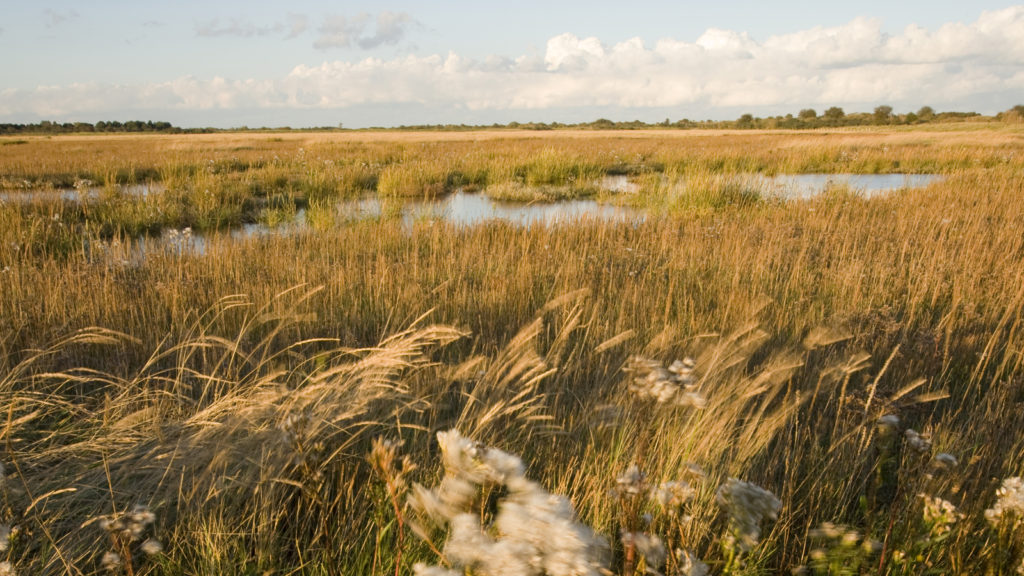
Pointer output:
x,y
735,382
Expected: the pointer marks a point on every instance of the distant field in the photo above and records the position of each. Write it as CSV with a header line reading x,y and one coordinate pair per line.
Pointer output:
x,y
237,391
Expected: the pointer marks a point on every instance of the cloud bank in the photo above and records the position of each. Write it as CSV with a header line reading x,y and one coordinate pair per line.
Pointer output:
x,y
966,66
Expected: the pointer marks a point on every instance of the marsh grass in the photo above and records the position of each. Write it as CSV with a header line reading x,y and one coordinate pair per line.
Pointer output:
x,y
236,391
222,180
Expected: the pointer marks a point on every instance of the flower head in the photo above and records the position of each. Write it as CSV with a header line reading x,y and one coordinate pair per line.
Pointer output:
x,y
747,506
1009,504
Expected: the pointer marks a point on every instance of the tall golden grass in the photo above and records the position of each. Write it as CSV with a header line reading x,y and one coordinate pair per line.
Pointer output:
x,y
237,390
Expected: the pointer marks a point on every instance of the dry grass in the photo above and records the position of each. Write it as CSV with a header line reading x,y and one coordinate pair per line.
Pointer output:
x,y
237,391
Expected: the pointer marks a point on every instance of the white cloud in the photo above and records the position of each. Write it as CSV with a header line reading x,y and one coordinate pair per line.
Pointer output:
x,y
297,24
293,26
342,32
856,65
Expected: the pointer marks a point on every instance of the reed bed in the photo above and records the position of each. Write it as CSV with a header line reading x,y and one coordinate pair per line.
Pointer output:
x,y
272,404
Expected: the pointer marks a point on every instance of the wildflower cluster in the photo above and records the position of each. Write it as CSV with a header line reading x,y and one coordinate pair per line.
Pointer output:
x,y
672,496
747,506
125,530
939,516
632,491
533,532
1009,506
937,519
676,385
920,443
669,500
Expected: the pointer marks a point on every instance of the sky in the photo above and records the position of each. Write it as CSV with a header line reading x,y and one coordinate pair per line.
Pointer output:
x,y
392,62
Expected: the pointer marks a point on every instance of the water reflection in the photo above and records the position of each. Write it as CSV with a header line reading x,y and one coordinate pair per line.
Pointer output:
x,y
808,185
465,209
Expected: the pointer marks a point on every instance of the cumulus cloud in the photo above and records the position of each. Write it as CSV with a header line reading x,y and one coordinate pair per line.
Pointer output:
x,y
855,65
342,32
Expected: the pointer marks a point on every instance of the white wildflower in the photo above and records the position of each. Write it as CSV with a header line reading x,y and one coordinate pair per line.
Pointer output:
x,y
688,564
921,443
1009,503
944,460
647,545
633,482
671,496
747,506
151,547
111,561
421,569
7,569
674,385
939,514
890,421
534,531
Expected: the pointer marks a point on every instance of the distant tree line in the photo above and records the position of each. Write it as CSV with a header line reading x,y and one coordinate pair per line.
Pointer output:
x,y
836,117
808,118
48,127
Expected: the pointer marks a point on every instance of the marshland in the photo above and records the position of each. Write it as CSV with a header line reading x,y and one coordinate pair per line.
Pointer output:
x,y
720,378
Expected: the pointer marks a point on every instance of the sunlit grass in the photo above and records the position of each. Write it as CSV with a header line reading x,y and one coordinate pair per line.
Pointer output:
x,y
237,390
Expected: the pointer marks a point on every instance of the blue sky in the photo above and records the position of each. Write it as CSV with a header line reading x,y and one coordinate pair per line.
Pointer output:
x,y
401,62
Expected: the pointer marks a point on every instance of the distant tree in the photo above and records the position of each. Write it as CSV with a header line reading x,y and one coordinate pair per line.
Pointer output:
x,y
926,113
910,118
745,121
1015,114
883,114
835,113
807,114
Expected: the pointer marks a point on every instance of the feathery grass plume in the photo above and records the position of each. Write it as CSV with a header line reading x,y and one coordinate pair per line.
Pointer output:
x,y
532,533
393,471
747,506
